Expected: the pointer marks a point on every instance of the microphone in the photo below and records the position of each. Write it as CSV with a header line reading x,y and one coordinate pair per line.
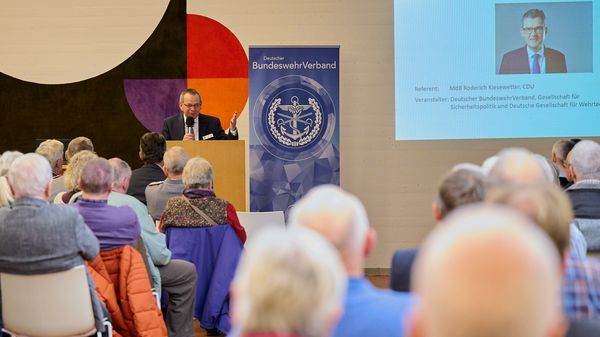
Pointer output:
x,y
189,122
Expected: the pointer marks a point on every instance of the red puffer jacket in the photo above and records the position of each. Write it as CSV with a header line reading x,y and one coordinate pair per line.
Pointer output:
x,y
122,284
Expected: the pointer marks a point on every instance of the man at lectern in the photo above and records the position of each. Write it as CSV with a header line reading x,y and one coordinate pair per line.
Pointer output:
x,y
190,124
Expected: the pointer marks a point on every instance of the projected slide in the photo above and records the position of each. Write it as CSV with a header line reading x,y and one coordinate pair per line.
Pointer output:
x,y
483,69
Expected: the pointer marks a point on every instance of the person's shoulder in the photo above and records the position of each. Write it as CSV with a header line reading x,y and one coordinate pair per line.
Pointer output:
x,y
66,213
172,118
154,187
515,52
554,52
204,117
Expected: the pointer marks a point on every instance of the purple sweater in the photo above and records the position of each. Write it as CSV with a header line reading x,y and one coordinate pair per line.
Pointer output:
x,y
113,226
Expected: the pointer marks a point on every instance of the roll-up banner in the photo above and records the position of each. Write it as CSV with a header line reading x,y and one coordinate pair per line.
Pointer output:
x,y
294,123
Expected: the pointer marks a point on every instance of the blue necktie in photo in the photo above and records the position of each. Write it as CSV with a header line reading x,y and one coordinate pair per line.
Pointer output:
x,y
535,69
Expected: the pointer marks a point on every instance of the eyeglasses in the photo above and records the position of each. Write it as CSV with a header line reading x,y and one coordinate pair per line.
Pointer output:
x,y
537,30
189,105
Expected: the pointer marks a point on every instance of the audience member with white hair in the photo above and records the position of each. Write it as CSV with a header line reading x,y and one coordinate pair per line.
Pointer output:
x,y
584,167
177,277
39,238
458,188
53,150
6,159
289,283
198,180
548,207
158,193
72,174
342,219
487,271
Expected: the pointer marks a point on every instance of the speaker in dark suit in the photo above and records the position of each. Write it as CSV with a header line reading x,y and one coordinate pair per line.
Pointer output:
x,y
201,126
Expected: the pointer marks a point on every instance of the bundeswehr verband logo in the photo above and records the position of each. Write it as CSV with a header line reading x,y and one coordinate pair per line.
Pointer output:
x,y
294,117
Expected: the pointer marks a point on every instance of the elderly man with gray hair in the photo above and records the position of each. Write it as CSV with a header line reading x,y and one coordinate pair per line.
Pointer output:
x,y
341,219
487,271
158,193
584,167
176,277
52,150
40,238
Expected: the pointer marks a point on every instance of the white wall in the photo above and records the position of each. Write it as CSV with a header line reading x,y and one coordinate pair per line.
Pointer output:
x,y
395,180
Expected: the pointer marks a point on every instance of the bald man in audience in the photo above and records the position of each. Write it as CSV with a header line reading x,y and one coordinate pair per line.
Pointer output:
x,y
584,167
487,271
560,150
158,193
342,219
549,208
459,187
53,150
176,277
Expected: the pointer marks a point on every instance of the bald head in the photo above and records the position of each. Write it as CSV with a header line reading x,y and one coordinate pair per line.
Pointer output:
x,y
517,166
487,272
338,216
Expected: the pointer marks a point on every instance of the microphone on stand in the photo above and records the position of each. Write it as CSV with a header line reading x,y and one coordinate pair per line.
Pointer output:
x,y
189,123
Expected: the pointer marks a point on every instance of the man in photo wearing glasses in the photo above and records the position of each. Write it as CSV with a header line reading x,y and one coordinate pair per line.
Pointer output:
x,y
204,127
534,57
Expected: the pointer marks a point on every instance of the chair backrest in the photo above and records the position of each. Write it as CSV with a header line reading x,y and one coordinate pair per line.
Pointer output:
x,y
254,222
47,305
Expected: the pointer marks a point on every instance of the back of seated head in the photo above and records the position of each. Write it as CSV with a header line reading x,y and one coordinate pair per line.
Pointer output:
x,y
121,173
585,160
96,176
77,145
516,166
52,150
288,282
337,215
459,187
152,147
560,150
29,176
198,173
174,160
6,160
546,205
74,168
487,271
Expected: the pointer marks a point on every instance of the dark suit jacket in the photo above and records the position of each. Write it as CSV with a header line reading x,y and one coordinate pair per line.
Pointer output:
x,y
517,61
402,264
140,178
174,128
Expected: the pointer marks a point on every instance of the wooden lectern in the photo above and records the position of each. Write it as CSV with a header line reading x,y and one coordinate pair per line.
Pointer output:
x,y
227,158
